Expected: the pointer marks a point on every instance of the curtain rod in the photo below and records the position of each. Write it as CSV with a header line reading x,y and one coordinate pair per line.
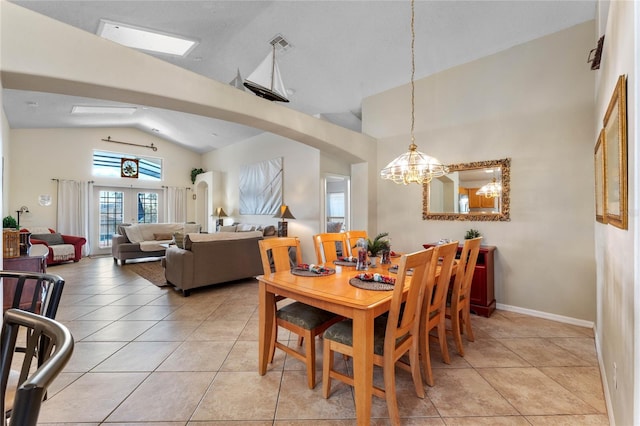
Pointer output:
x,y
108,139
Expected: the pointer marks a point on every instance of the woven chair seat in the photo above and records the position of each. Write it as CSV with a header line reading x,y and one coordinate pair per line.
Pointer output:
x,y
305,316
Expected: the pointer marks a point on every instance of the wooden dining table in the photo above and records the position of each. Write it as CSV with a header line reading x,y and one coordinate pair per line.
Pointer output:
x,y
332,293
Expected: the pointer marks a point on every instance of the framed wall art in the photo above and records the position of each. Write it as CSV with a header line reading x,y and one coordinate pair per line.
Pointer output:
x,y
600,184
261,187
615,157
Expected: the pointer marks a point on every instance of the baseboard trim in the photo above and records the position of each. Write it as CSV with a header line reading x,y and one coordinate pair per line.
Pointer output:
x,y
546,315
605,384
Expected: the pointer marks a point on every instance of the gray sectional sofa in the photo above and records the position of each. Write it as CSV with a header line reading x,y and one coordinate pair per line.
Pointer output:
x,y
208,259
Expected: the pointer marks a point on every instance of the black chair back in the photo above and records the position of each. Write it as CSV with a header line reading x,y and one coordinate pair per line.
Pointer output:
x,y
48,341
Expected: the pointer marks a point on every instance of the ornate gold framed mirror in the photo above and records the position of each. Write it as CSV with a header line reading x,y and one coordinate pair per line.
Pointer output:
x,y
471,191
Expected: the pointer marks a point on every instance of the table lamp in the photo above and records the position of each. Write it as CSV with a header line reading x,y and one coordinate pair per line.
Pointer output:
x,y
283,213
220,213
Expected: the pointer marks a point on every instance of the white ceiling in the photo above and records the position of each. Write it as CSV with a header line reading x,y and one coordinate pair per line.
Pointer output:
x,y
342,52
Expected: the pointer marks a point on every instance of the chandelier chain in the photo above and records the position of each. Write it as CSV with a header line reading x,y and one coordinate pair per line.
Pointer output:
x,y
413,71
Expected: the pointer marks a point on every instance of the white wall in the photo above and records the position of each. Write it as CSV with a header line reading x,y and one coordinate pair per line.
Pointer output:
x,y
40,155
301,189
533,103
616,250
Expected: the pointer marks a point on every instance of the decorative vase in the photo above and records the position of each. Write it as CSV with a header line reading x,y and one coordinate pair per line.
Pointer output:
x,y
361,247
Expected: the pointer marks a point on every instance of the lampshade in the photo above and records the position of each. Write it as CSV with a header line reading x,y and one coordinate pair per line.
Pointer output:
x,y
413,166
220,212
491,190
284,213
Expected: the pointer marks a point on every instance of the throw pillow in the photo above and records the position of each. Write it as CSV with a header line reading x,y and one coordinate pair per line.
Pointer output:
x,y
269,231
178,239
245,228
228,228
50,239
162,236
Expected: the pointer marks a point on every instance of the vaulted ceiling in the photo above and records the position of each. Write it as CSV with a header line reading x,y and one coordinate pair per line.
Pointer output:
x,y
341,52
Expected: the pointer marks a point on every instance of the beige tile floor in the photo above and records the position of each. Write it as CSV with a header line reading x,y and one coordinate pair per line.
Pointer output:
x,y
145,355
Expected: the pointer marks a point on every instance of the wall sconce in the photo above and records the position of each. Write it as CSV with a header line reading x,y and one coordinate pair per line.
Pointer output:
x,y
44,200
23,209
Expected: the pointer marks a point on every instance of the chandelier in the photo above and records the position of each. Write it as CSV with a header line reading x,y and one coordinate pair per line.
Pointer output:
x,y
491,190
413,166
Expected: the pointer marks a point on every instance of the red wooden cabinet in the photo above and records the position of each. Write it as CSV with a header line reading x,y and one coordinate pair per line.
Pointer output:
x,y
483,298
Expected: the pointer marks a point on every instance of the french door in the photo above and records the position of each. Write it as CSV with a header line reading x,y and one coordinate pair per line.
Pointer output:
x,y
114,206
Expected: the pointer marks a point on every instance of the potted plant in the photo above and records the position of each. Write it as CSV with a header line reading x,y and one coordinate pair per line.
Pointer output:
x,y
195,172
9,222
472,233
379,243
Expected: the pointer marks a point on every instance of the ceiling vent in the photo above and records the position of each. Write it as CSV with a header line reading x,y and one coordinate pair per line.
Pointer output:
x,y
280,43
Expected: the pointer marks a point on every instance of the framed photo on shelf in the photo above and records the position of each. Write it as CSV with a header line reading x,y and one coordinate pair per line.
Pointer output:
x,y
600,183
615,157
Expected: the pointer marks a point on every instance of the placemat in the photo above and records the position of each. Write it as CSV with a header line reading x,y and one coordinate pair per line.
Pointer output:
x,y
347,263
370,285
394,270
306,273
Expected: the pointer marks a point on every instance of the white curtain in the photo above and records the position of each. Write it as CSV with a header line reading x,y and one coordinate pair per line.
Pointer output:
x,y
73,209
176,204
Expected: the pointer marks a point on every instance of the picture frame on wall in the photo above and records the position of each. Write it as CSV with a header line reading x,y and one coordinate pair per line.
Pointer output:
x,y
615,156
600,183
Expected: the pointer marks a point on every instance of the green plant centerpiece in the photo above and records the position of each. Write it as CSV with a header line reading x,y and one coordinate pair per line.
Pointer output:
x,y
472,233
195,172
9,222
379,243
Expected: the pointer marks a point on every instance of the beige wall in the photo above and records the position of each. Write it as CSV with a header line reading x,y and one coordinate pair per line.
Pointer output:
x,y
40,155
533,103
618,266
301,183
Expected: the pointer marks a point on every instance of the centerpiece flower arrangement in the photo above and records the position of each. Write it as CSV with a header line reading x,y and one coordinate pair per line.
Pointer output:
x,y
380,243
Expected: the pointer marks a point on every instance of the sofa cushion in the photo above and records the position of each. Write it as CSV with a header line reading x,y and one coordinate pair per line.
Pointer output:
x,y
50,239
38,230
134,234
218,236
228,228
161,236
178,238
245,228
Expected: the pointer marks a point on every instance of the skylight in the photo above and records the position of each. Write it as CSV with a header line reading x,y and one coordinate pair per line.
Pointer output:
x,y
144,39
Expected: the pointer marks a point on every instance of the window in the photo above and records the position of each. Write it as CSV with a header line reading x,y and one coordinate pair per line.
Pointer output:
x,y
335,206
111,214
107,164
147,207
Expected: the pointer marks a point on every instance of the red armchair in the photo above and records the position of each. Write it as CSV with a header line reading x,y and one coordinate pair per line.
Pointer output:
x,y
68,248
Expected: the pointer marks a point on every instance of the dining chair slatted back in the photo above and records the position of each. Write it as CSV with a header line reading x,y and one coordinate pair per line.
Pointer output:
x,y
279,253
329,246
35,292
434,305
48,341
299,318
458,305
352,238
394,334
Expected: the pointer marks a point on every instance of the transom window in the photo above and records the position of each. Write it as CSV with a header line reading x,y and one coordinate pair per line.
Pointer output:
x,y
107,164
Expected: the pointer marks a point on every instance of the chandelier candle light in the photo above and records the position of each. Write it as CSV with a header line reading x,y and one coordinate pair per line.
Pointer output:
x,y
491,190
413,166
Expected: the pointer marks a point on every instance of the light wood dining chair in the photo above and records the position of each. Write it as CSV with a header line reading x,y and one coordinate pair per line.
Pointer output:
x,y
394,335
329,246
299,318
434,305
352,238
458,305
